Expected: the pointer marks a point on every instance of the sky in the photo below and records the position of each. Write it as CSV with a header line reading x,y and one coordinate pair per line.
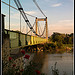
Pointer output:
x,y
60,14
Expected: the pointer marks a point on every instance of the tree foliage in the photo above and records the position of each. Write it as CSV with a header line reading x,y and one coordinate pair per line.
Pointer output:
x,y
62,38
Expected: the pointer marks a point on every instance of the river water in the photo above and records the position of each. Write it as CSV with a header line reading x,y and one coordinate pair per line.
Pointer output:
x,y
64,63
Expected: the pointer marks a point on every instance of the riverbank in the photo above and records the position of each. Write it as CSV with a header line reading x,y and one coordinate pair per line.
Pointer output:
x,y
53,47
36,59
45,61
40,56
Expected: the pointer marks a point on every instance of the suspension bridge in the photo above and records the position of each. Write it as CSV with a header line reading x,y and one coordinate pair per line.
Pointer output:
x,y
19,39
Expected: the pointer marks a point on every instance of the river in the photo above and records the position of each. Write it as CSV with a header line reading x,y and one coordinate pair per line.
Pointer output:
x,y
64,63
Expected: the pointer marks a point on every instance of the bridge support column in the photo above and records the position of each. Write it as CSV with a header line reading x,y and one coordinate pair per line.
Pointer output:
x,y
36,48
46,30
36,25
3,23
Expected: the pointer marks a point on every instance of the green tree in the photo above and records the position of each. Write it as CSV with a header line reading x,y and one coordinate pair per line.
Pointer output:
x,y
57,37
71,38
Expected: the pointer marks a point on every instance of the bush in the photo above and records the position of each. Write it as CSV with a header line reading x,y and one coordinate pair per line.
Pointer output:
x,y
51,46
59,44
31,69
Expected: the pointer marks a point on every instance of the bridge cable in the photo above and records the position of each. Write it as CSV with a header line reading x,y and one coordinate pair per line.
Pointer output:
x,y
23,28
43,30
33,26
41,12
38,30
40,27
17,9
24,13
24,16
39,7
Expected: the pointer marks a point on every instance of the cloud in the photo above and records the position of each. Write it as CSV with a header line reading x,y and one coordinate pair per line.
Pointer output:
x,y
56,5
64,23
31,12
17,15
62,26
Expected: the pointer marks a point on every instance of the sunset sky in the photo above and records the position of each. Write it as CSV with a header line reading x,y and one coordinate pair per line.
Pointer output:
x,y
60,14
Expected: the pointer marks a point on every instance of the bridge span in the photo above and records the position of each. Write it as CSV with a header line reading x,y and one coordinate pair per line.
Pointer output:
x,y
18,39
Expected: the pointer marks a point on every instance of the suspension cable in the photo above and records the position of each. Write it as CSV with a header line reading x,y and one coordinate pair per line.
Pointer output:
x,y
17,9
25,17
32,26
40,27
43,30
38,30
23,29
39,7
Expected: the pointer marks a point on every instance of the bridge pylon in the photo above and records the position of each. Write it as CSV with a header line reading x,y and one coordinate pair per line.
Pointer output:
x,y
46,30
36,25
42,19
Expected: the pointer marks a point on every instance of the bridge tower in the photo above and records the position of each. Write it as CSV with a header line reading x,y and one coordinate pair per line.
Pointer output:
x,y
36,25
42,19
46,29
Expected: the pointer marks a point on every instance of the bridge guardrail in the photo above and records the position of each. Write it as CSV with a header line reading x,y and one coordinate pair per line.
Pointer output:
x,y
18,39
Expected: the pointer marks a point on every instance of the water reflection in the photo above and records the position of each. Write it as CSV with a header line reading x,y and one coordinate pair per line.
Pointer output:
x,y
64,63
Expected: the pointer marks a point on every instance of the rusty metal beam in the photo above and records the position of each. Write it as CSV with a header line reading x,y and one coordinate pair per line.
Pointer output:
x,y
41,19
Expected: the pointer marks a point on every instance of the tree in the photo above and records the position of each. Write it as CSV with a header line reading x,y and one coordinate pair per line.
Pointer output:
x,y
57,37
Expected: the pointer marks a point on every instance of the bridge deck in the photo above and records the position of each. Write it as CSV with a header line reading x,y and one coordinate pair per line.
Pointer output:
x,y
18,39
